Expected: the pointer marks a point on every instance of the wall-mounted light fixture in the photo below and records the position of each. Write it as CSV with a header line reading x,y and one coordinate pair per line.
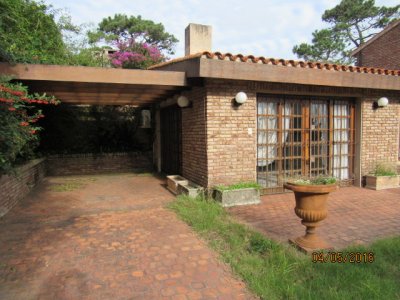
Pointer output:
x,y
183,101
382,102
241,98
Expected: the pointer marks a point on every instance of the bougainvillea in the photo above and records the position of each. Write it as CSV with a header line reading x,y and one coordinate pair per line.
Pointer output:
x,y
133,54
19,114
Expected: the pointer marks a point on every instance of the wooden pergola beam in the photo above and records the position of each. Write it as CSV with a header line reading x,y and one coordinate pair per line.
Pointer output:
x,y
100,86
93,74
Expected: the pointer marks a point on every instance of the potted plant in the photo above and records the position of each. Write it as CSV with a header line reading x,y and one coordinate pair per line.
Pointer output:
x,y
242,193
384,176
311,197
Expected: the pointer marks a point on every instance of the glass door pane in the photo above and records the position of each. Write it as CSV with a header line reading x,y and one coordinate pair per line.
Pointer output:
x,y
319,138
341,139
292,120
267,138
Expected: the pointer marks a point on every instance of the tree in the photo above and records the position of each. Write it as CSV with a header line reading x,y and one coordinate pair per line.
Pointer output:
x,y
351,23
135,55
136,36
29,33
326,46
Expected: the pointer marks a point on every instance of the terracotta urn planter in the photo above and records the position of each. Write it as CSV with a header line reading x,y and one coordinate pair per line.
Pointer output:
x,y
311,208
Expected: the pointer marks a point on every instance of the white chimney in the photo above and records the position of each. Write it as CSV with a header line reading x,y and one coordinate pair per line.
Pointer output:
x,y
197,38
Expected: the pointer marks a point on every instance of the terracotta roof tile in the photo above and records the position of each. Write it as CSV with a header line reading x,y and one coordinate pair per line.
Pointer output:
x,y
281,62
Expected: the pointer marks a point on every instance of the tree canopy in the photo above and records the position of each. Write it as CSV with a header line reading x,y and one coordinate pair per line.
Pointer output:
x,y
33,32
123,28
351,23
29,33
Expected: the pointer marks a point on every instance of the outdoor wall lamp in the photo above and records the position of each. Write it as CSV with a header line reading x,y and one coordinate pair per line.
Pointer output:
x,y
183,101
382,102
241,98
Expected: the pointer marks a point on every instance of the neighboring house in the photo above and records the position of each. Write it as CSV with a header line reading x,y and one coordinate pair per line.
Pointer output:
x,y
381,51
300,118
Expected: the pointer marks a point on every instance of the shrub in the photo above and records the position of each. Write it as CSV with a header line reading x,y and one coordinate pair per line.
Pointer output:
x,y
135,55
314,181
237,186
385,169
18,117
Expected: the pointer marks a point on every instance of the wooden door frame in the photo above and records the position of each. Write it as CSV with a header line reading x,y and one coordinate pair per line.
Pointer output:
x,y
306,132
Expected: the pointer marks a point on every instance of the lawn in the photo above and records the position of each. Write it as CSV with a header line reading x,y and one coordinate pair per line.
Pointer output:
x,y
275,271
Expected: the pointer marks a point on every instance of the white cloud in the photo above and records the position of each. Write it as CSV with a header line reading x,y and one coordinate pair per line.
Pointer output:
x,y
270,28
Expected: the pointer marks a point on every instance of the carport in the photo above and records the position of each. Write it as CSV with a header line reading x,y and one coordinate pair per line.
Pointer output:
x,y
108,86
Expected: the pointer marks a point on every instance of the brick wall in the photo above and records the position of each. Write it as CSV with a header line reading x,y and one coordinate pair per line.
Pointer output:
x,y
15,187
231,133
194,142
81,164
384,52
232,150
227,153
380,134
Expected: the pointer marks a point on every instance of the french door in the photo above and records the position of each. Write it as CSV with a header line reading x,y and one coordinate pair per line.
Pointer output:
x,y
303,136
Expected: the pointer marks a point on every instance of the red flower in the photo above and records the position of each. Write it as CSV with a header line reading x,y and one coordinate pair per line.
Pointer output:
x,y
32,131
12,109
24,124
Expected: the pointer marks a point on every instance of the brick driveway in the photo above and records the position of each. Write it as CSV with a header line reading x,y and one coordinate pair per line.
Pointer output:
x,y
110,238
355,216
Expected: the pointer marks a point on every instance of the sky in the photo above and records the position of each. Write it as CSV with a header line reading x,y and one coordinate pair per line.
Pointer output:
x,y
267,28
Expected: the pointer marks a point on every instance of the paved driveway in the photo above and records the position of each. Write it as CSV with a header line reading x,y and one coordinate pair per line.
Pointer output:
x,y
355,216
106,237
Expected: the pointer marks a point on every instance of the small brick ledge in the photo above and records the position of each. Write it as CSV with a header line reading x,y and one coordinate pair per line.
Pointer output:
x,y
14,187
89,163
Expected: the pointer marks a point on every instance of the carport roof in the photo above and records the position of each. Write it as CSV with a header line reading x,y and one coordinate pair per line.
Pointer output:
x,y
102,86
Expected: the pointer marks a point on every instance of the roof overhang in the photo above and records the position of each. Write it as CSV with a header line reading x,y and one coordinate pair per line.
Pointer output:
x,y
283,74
316,74
98,86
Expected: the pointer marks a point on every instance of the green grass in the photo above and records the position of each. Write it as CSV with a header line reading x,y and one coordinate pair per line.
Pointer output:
x,y
70,184
276,271
237,186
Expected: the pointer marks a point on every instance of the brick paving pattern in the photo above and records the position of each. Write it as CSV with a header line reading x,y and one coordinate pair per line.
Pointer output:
x,y
355,216
111,238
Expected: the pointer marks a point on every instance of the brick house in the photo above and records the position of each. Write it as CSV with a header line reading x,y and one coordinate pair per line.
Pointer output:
x,y
381,51
300,118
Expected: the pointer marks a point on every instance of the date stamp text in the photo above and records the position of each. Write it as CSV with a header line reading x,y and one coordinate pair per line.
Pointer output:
x,y
343,257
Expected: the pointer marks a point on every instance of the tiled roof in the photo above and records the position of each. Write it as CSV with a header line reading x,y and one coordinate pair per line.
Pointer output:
x,y
281,62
